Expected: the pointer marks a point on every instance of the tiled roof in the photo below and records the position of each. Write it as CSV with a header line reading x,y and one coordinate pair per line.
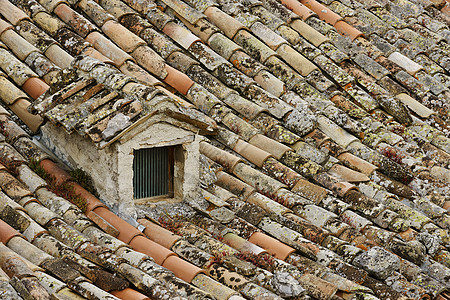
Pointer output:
x,y
325,164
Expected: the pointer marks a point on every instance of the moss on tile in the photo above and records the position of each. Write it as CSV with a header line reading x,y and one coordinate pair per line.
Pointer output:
x,y
64,190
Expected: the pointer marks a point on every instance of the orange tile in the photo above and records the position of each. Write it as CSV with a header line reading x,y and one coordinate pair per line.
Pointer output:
x,y
149,247
310,190
179,81
17,44
94,11
226,159
408,235
234,185
357,163
54,170
343,187
108,48
228,24
151,61
93,91
267,144
48,22
181,268
322,11
296,60
298,8
13,187
181,35
271,245
446,10
203,28
7,232
89,51
159,234
126,40
91,201
129,294
35,87
127,231
12,131
446,205
317,287
347,30
347,174
75,20
252,153
20,108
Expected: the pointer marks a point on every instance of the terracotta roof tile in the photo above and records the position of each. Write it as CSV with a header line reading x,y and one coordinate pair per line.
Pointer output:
x,y
47,22
129,294
20,108
202,28
178,80
95,12
58,56
124,38
150,61
20,46
234,185
158,234
7,232
127,235
252,153
10,93
243,62
35,87
239,126
117,8
12,13
182,36
272,245
80,24
229,25
322,11
14,68
224,158
299,8
131,69
12,187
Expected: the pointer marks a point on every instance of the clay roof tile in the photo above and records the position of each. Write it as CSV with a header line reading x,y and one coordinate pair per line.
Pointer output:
x,y
229,25
10,12
7,232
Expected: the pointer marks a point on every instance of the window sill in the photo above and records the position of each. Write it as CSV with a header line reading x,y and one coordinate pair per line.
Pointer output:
x,y
165,198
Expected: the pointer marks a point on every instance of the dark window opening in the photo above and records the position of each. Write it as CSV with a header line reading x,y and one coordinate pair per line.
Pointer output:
x,y
153,172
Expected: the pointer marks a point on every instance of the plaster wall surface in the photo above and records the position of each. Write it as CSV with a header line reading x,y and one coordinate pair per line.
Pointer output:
x,y
79,152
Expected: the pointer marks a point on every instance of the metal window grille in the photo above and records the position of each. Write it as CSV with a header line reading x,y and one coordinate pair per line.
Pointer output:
x,y
152,169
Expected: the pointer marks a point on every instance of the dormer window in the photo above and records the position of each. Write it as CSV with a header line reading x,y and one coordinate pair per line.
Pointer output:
x,y
153,172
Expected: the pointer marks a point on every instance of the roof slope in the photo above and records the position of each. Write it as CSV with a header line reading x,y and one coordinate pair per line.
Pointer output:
x,y
328,176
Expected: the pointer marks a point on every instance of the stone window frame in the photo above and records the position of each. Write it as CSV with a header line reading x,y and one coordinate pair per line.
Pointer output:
x,y
170,175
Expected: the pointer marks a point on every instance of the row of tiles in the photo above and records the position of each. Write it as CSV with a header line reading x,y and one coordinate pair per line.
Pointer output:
x,y
158,235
